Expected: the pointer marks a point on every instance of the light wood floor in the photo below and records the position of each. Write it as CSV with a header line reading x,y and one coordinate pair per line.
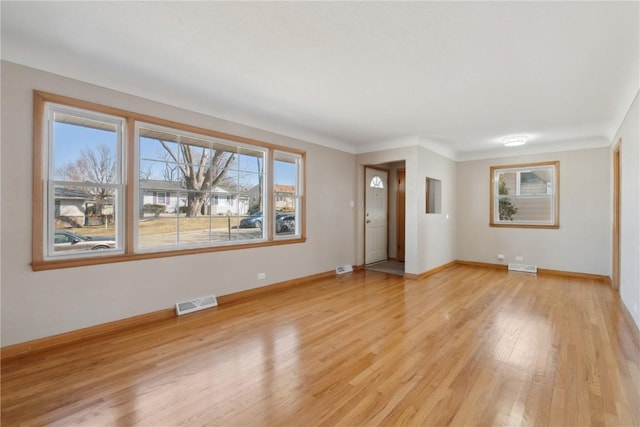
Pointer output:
x,y
467,346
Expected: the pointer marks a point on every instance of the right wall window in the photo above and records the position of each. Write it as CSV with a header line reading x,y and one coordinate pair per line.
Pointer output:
x,y
525,195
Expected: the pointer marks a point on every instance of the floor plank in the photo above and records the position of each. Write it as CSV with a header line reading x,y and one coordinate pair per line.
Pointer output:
x,y
465,346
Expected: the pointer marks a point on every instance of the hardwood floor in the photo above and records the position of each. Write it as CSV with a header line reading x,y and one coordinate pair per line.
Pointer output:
x,y
466,346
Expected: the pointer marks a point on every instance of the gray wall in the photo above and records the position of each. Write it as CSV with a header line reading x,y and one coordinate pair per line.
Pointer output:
x,y
39,304
629,134
429,238
583,241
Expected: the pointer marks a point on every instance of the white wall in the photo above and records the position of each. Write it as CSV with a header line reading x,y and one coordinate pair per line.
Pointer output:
x,y
39,304
583,241
429,239
629,133
436,232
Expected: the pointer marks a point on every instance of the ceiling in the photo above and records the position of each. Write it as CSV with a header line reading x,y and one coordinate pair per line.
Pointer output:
x,y
358,76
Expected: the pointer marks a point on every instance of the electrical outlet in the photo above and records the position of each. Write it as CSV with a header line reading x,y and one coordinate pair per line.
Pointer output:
x,y
519,258
262,276
500,256
635,307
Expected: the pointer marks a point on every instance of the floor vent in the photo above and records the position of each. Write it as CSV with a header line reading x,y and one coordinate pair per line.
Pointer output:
x,y
196,304
523,267
344,269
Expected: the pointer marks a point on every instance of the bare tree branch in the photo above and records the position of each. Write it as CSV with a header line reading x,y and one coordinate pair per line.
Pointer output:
x,y
93,165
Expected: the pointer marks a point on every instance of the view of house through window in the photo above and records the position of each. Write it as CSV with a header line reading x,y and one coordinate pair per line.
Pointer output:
x,y
525,195
212,185
85,182
286,172
189,190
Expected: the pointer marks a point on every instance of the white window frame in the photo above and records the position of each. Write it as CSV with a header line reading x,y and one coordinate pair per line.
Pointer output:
x,y
299,161
553,193
50,109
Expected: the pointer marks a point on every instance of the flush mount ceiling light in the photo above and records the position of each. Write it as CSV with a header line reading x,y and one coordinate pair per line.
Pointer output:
x,y
514,140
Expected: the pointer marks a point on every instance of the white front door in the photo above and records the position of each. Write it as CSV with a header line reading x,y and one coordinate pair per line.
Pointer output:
x,y
375,229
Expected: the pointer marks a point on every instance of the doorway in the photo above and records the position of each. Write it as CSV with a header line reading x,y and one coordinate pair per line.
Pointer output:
x,y
376,215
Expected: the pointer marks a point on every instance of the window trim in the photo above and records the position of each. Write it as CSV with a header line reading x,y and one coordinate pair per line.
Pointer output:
x,y
298,195
48,202
40,183
555,196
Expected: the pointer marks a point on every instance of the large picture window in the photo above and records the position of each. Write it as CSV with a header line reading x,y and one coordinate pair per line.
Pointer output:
x,y
525,195
213,184
111,185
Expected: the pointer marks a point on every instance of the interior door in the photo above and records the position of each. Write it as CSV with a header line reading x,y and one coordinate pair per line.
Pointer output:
x,y
375,229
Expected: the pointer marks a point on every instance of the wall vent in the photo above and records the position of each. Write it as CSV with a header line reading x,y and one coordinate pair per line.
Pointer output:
x,y
190,306
523,267
344,269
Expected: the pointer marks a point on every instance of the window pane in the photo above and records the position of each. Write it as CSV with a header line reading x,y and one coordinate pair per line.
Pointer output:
x,y
161,146
535,183
82,222
224,168
250,182
84,184
285,170
158,225
251,222
286,218
212,186
155,172
251,161
525,195
286,193
195,229
507,183
525,209
84,149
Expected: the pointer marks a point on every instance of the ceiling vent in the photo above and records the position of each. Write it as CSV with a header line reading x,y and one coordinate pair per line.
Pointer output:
x,y
523,267
196,305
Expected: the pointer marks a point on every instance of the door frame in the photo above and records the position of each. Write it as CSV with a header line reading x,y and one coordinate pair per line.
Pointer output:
x,y
364,218
615,247
400,213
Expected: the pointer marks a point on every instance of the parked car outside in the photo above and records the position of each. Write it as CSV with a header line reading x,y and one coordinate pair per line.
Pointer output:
x,y
288,223
284,222
68,241
252,221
